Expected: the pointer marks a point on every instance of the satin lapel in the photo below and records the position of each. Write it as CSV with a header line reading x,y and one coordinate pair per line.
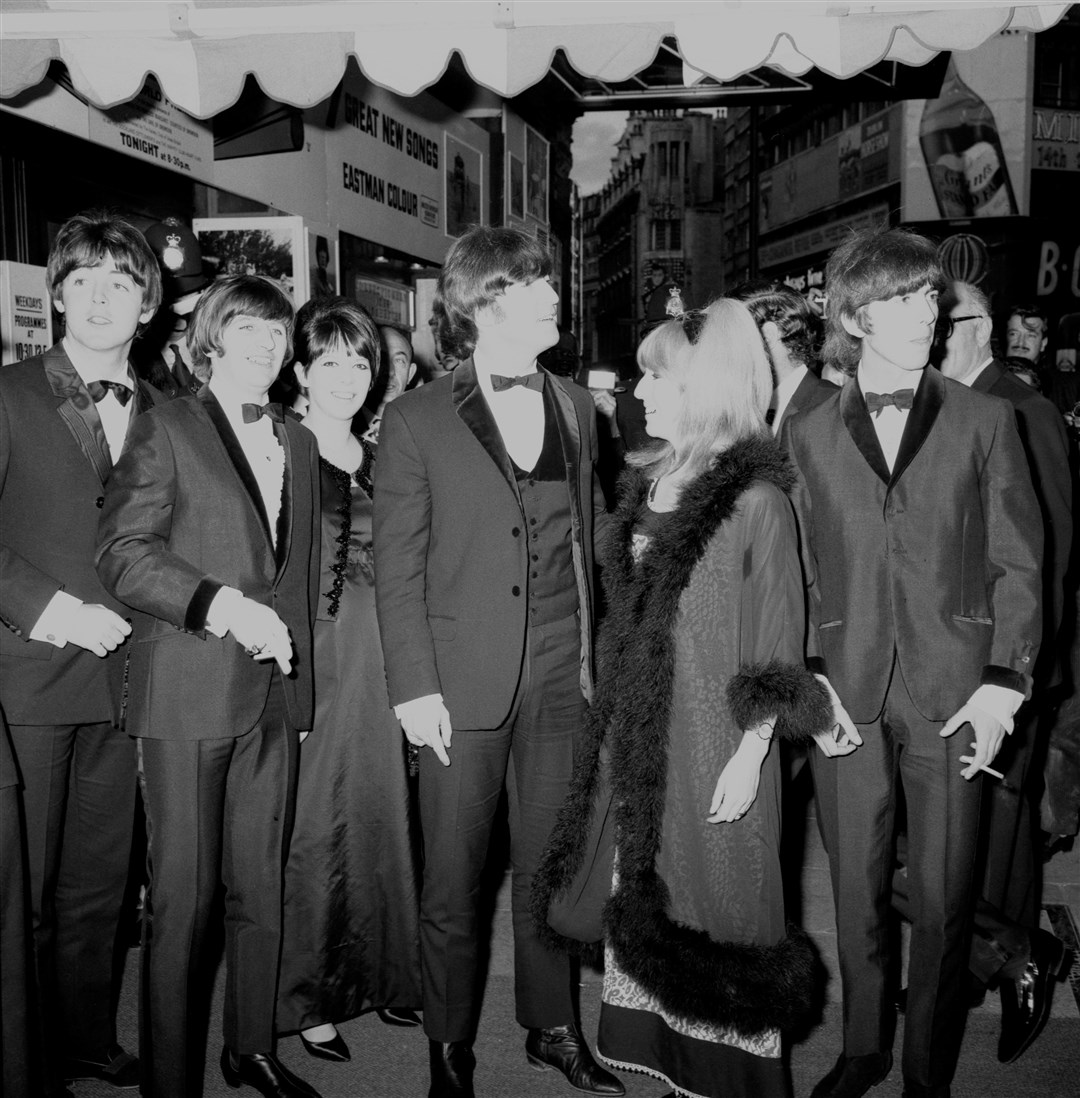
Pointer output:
x,y
473,410
569,432
929,397
78,412
284,524
857,421
236,455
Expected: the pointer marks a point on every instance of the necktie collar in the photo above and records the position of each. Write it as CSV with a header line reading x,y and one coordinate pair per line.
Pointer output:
x,y
901,400
534,381
252,413
99,389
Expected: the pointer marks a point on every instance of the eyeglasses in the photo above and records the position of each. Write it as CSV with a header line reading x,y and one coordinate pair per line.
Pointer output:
x,y
947,324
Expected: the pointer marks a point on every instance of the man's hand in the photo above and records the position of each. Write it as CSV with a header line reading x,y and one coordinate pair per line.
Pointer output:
x,y
97,629
843,737
426,723
259,631
989,735
604,399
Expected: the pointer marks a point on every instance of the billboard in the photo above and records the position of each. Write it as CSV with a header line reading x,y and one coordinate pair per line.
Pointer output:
x,y
408,173
966,151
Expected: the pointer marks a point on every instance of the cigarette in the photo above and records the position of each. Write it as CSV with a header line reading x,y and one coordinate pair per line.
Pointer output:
x,y
993,773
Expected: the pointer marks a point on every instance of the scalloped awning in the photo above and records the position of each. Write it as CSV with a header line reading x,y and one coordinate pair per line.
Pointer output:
x,y
202,50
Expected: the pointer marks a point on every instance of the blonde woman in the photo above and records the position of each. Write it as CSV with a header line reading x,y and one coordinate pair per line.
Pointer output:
x,y
700,668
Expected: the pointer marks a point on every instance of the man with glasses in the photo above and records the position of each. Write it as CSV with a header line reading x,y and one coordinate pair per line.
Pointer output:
x,y
1008,944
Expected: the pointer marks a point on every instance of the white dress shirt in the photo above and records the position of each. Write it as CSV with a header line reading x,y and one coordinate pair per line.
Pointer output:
x,y
519,414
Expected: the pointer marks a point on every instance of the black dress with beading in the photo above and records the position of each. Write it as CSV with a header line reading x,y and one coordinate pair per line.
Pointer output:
x,y
350,932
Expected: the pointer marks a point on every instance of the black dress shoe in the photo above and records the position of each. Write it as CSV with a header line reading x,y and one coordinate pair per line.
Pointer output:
x,y
398,1016
265,1073
452,1065
335,1049
853,1076
117,1068
564,1049
1025,1001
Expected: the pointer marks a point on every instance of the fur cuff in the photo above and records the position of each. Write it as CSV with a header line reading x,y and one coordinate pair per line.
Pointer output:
x,y
791,694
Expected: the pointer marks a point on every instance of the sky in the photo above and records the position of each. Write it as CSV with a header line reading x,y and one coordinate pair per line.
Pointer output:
x,y
594,140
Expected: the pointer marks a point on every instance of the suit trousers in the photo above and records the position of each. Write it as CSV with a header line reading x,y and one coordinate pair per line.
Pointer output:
x,y
20,1052
217,811
902,753
79,784
531,755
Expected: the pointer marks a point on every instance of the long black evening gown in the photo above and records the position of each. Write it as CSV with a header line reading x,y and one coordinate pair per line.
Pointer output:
x,y
350,933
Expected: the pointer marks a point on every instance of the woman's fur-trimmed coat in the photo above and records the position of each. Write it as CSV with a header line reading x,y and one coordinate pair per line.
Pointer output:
x,y
703,639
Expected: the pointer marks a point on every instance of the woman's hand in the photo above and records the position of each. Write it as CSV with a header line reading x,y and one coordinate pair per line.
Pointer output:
x,y
736,788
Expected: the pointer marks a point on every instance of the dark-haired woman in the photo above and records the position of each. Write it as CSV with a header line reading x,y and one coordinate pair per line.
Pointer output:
x,y
350,928
699,667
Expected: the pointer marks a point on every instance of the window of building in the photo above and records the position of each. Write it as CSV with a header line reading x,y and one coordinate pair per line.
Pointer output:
x,y
665,236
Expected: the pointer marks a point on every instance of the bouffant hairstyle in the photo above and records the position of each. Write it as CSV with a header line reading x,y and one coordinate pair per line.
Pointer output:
x,y
717,359
89,238
480,265
325,323
872,266
222,302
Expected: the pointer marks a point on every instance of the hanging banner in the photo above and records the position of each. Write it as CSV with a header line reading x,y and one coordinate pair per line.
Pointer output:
x,y
148,128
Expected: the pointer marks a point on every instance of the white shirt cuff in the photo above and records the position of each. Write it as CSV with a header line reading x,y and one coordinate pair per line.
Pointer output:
x,y
412,701
999,702
52,626
219,609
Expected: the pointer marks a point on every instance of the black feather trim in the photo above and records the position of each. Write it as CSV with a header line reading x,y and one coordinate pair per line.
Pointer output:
x,y
790,694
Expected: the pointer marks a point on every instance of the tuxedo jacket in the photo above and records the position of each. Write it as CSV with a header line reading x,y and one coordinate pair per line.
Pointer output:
x,y
938,561
54,465
183,517
809,393
451,552
1046,443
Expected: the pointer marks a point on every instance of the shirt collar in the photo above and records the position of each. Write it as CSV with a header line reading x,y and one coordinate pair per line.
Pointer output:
x,y
974,375
88,371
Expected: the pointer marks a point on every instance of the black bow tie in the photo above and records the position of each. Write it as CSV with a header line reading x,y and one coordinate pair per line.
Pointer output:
x,y
533,381
254,412
98,389
901,399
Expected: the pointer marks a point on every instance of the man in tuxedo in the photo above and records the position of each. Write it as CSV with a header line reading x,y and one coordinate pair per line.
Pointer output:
x,y
923,551
485,505
64,418
207,531
1008,944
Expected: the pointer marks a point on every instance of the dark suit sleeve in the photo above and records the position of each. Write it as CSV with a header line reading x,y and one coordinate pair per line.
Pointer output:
x,y
133,558
402,531
1042,431
25,590
804,520
1014,547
